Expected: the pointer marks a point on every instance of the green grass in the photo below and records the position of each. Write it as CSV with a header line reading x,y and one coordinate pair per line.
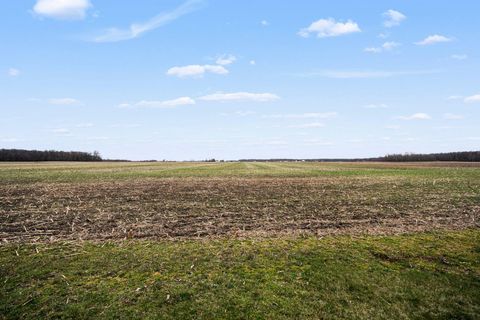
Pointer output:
x,y
421,276
81,172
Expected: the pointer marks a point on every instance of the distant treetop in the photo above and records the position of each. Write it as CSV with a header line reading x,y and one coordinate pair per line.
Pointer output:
x,y
48,155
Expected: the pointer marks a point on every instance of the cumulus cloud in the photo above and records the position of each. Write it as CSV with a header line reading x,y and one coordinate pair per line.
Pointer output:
x,y
324,28
224,60
436,38
182,101
386,46
62,9
390,45
393,18
383,35
137,29
454,97
308,115
64,101
240,96
196,70
472,99
416,116
12,72
373,49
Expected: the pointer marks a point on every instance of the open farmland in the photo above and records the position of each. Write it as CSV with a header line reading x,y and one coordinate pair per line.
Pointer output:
x,y
240,240
190,200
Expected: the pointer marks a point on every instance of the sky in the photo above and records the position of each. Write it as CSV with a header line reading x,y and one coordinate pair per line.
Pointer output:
x,y
225,79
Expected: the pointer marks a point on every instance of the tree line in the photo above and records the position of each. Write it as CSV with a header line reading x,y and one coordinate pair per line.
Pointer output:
x,y
52,155
48,155
468,156
465,156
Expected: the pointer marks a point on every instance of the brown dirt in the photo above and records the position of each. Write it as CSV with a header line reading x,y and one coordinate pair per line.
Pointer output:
x,y
229,207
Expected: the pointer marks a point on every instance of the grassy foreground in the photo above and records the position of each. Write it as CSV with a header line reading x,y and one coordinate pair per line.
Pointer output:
x,y
425,275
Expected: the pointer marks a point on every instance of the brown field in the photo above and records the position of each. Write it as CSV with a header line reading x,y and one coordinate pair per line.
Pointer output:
x,y
240,205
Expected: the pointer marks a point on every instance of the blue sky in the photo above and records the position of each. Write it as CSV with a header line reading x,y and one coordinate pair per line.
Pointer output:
x,y
190,80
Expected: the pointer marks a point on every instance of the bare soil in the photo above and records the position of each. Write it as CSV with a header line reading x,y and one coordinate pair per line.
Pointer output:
x,y
230,207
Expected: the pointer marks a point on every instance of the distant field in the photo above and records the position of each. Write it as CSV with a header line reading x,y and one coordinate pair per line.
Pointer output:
x,y
240,240
23,172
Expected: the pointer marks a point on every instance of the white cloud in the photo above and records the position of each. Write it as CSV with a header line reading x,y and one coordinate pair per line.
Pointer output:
x,y
383,35
472,99
264,23
308,115
390,45
62,9
416,116
451,116
12,72
386,46
329,28
455,97
376,106
393,18
308,125
240,96
436,38
64,101
253,62
459,56
373,49
182,101
195,70
137,29
226,60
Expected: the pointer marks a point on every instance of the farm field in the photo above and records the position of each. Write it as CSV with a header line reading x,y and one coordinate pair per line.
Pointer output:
x,y
240,240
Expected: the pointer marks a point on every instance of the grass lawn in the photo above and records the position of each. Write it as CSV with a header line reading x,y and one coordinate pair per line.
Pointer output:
x,y
426,275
